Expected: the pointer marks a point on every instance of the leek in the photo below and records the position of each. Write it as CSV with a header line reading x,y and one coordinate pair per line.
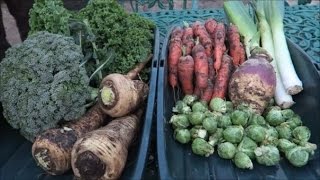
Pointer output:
x,y
282,98
274,11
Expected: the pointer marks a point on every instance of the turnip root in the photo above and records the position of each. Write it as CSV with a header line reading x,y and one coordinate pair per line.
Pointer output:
x,y
253,83
52,149
120,95
102,154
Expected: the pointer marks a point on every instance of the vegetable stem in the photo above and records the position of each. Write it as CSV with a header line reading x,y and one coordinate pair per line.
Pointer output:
x,y
282,98
274,11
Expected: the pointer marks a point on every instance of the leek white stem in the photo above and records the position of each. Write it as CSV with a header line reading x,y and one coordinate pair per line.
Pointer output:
x,y
274,11
282,98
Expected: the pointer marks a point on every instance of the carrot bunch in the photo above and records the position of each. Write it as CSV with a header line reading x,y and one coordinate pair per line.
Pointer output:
x,y
202,57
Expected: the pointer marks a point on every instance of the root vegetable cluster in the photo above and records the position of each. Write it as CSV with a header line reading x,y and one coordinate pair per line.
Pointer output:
x,y
200,58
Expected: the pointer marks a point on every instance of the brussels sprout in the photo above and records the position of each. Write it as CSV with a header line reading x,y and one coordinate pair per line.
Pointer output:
x,y
210,124
224,121
196,118
296,119
256,133
181,108
284,131
226,150
243,107
271,136
233,134
180,121
198,132
243,161
216,138
201,147
267,155
269,108
229,106
239,117
247,146
274,117
182,135
284,145
287,113
301,134
309,147
199,106
297,156
189,99
218,104
256,119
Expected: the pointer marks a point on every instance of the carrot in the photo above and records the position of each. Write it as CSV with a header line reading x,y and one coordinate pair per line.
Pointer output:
x,y
185,74
236,49
201,32
223,76
211,72
207,94
210,26
200,66
177,32
52,149
197,91
120,95
187,38
102,154
219,46
175,52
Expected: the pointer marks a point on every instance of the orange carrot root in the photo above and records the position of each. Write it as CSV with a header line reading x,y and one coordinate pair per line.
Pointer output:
x,y
185,74
187,39
175,52
207,94
219,48
200,31
200,66
236,49
223,76
210,26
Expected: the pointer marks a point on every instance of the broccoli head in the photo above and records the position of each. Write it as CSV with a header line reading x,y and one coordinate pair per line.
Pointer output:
x,y
42,83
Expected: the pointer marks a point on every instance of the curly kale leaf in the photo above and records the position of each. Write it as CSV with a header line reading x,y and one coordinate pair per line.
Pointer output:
x,y
49,15
42,83
128,35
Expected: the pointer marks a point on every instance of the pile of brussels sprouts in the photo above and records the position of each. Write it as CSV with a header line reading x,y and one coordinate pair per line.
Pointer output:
x,y
240,134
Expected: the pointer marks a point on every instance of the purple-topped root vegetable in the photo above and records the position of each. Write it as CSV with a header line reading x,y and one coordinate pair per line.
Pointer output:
x,y
253,83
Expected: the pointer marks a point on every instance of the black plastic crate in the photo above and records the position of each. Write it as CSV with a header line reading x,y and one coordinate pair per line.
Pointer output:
x,y
176,161
17,163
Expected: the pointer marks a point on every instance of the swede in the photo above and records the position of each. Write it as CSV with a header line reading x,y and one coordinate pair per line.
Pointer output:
x,y
253,83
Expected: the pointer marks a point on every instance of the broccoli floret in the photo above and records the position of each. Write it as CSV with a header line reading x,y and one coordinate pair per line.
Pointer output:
x,y
42,83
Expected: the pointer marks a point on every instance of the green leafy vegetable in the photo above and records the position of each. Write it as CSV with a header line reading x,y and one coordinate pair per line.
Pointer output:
x,y
247,146
267,155
181,107
202,147
226,150
182,135
233,134
210,124
242,160
179,121
42,83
